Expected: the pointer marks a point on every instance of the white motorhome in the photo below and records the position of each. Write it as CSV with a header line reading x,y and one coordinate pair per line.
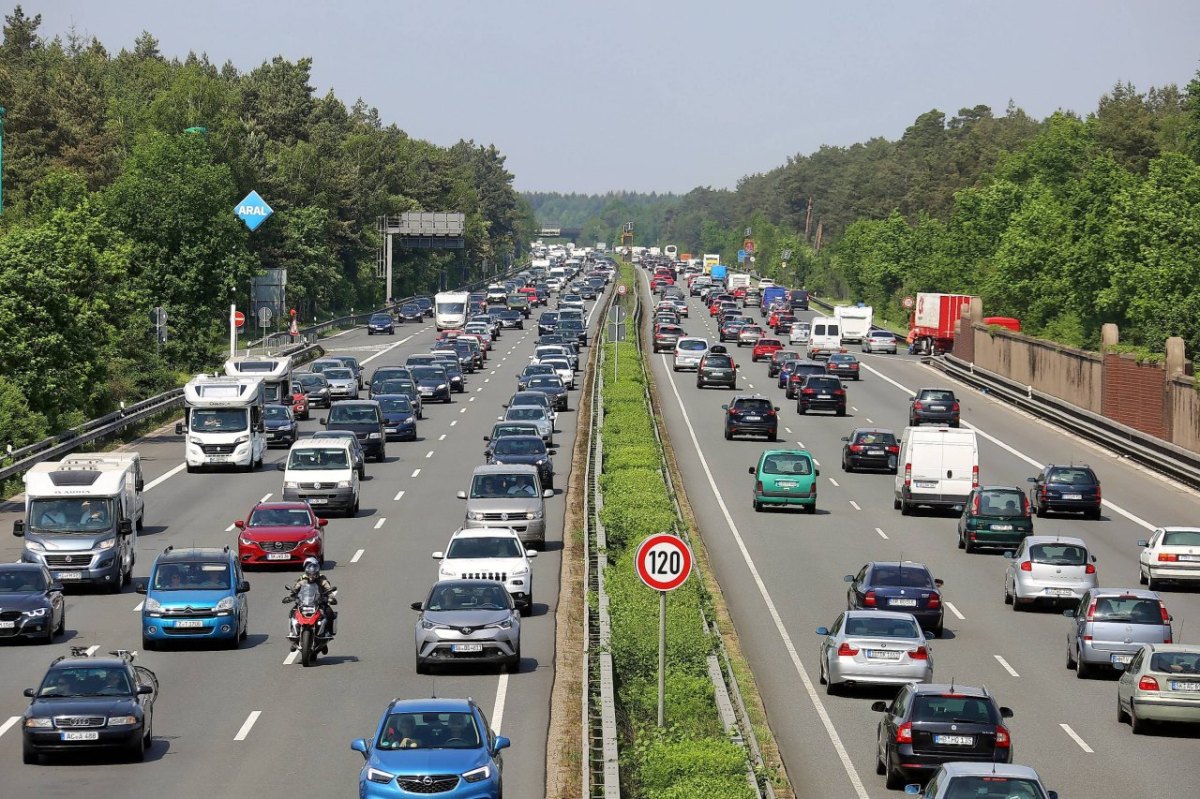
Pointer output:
x,y
938,467
825,337
737,281
671,251
450,309
856,321
82,515
275,371
223,422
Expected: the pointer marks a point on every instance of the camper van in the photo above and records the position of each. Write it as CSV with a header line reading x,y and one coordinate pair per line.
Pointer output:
x,y
450,309
938,467
223,422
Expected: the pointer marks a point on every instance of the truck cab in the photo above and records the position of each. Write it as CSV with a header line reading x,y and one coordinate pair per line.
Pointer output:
x,y
81,518
223,422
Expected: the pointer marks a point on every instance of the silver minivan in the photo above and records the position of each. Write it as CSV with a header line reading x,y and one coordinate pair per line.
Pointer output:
x,y
508,496
1111,624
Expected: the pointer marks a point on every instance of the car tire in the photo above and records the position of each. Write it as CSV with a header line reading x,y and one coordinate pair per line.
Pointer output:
x,y
728,434
1137,726
773,436
421,666
1153,584
1009,599
968,546
895,504
1039,511
1082,670
811,510
962,542
800,409
894,780
1122,716
1094,515
758,506
905,508
29,755
137,750
62,623
1142,577
939,629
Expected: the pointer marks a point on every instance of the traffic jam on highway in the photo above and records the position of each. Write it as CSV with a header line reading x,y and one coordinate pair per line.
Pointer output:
x,y
437,595
928,676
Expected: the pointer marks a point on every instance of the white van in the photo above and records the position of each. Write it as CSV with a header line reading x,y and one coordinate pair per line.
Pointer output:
x,y
825,337
938,467
320,471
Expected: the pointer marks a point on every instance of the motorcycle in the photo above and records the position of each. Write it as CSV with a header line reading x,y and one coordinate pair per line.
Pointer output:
x,y
307,626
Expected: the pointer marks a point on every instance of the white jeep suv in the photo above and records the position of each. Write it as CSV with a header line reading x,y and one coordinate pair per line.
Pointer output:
x,y
490,553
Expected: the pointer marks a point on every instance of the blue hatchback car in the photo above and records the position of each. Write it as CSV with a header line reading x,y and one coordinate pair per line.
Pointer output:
x,y
432,746
195,594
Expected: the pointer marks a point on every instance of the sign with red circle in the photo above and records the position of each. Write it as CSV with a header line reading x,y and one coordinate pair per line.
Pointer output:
x,y
621,290
239,319
663,562
908,302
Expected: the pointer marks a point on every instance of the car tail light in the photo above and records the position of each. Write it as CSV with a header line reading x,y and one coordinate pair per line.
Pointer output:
x,y
1091,612
839,392
1090,568
846,651
904,733
809,391
935,601
758,486
893,450
975,476
1026,566
770,412
975,504
917,406
869,599
857,447
907,475
1097,493
920,653
1003,741
954,407
1147,684
1167,557
1166,617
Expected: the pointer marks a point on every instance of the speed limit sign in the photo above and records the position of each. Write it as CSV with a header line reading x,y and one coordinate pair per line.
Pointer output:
x,y
621,290
663,562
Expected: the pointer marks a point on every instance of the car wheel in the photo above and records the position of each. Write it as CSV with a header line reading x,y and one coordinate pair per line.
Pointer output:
x,y
1138,726
1142,577
968,546
811,509
894,780
137,750
758,506
895,504
1008,598
800,409
1094,515
938,630
421,666
1152,584
728,434
29,755
1122,716
962,542
1071,662
773,436
62,623
1040,511
1017,605
1082,670
905,508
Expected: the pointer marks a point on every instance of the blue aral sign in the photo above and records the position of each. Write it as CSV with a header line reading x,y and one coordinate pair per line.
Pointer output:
x,y
741,256
253,210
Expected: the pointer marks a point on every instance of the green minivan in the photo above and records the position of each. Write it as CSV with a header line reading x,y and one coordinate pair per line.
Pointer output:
x,y
994,517
785,477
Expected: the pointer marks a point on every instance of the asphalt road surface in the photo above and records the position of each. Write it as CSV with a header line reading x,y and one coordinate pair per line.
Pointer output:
x,y
781,572
252,723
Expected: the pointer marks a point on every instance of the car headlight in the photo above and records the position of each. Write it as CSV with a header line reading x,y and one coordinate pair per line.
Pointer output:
x,y
290,484
534,514
36,613
34,546
381,777
431,625
343,484
246,542
478,774
152,605
312,540
122,721
38,724
474,515
195,440
502,625
373,435
240,440
521,572
108,543
226,604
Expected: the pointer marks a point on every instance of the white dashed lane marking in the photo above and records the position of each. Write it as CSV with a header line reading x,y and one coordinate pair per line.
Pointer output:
x,y
954,610
1004,664
399,494
380,523
248,725
882,534
357,555
1075,737
416,472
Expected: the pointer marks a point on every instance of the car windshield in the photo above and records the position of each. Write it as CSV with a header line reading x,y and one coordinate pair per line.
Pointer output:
x,y
275,412
497,486
545,380
321,366
354,414
349,361
877,336
786,463
1071,477
537,369
218,420
571,324
73,515
86,681
429,731
753,405
878,439
691,345
381,319
502,430
316,459
535,412
1001,502
22,581
340,373
718,361
519,445
467,597
428,373
907,577
310,381
191,576
952,708
393,386
1176,662
841,359
489,547
823,383
769,342
1181,538
1129,609
992,787
937,396
410,308
866,626
1058,554
279,517
451,307
395,404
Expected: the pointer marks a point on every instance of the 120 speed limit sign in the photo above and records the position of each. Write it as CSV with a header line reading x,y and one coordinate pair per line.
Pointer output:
x,y
663,562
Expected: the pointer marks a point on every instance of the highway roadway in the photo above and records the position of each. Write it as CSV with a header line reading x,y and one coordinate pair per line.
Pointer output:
x,y
251,722
782,576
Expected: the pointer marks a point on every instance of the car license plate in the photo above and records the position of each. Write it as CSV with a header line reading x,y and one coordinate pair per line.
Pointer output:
x,y
883,654
467,647
1002,527
753,418
189,623
926,483
787,484
903,603
823,396
318,501
954,740
279,556
874,452
7,625
219,458
1185,686
1125,659
68,575
1060,592
1189,558
81,735
937,407
1072,496
391,429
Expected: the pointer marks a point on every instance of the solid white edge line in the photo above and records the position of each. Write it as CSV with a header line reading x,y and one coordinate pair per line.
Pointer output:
x,y
357,554
399,494
386,350
163,478
954,610
826,720
501,695
1006,666
381,522
249,723
8,725
1075,737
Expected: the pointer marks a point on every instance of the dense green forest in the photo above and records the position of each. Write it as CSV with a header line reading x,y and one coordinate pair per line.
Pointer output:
x,y
602,217
113,206
1066,223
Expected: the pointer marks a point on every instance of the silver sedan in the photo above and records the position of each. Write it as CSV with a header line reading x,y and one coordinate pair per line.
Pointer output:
x,y
1162,683
342,383
1048,569
876,647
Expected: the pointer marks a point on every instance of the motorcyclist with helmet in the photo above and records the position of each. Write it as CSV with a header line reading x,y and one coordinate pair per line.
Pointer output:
x,y
312,574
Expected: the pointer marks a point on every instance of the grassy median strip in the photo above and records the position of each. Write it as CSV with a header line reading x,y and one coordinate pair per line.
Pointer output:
x,y
690,757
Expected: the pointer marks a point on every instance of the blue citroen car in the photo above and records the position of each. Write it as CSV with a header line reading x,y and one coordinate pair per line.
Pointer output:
x,y
195,595
431,746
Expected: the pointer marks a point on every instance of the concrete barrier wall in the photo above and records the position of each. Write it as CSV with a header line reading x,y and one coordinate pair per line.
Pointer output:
x,y
1184,403
1072,375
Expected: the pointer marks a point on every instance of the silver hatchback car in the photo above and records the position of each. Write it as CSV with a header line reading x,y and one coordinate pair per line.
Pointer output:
x,y
467,621
1162,683
1110,625
874,647
1048,569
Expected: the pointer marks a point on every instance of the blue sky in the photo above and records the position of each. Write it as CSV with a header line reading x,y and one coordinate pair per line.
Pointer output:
x,y
666,95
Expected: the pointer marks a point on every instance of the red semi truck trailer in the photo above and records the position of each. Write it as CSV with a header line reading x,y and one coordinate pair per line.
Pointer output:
x,y
931,321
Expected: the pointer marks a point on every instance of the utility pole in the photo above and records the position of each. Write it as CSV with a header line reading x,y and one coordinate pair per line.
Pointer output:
x,y
2,111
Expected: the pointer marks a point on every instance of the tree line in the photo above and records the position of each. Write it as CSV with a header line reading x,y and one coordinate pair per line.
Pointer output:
x,y
121,172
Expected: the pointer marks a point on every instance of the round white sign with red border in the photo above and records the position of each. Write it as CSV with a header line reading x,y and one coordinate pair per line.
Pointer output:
x,y
621,290
663,562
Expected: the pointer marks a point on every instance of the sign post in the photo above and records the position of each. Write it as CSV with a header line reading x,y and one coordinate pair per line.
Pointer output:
x,y
616,331
663,563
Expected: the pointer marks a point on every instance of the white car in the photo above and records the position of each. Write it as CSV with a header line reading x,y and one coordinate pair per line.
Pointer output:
x,y
801,333
534,414
562,367
1049,569
490,553
1172,554
879,341
688,352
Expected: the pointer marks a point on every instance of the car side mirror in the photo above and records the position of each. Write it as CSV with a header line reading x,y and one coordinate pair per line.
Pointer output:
x,y
724,407
1030,479
139,485
1069,613
140,588
777,408
939,583
1052,794
817,471
29,692
751,470
501,743
1006,713
243,587
879,707
1093,557
145,690
849,578
822,631
531,553
281,466
416,605
461,494
487,438
324,421
547,493
959,508
19,528
1010,554
912,790
438,555
125,527
1143,542
179,428
240,524
360,745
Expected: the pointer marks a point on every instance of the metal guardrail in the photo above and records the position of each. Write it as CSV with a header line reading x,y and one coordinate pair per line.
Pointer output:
x,y
1154,453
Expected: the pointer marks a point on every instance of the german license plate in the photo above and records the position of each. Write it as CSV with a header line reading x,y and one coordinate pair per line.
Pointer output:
x,y
467,647
279,556
937,407
883,654
823,396
926,483
1185,686
219,458
189,623
903,603
318,501
391,429
1002,528
874,452
7,625
1189,558
753,418
81,735
1072,496
787,484
1059,592
68,575
954,740
1125,659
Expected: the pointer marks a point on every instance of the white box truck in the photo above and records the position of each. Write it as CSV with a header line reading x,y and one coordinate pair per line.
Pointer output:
x,y
223,422
82,516
938,467
855,320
